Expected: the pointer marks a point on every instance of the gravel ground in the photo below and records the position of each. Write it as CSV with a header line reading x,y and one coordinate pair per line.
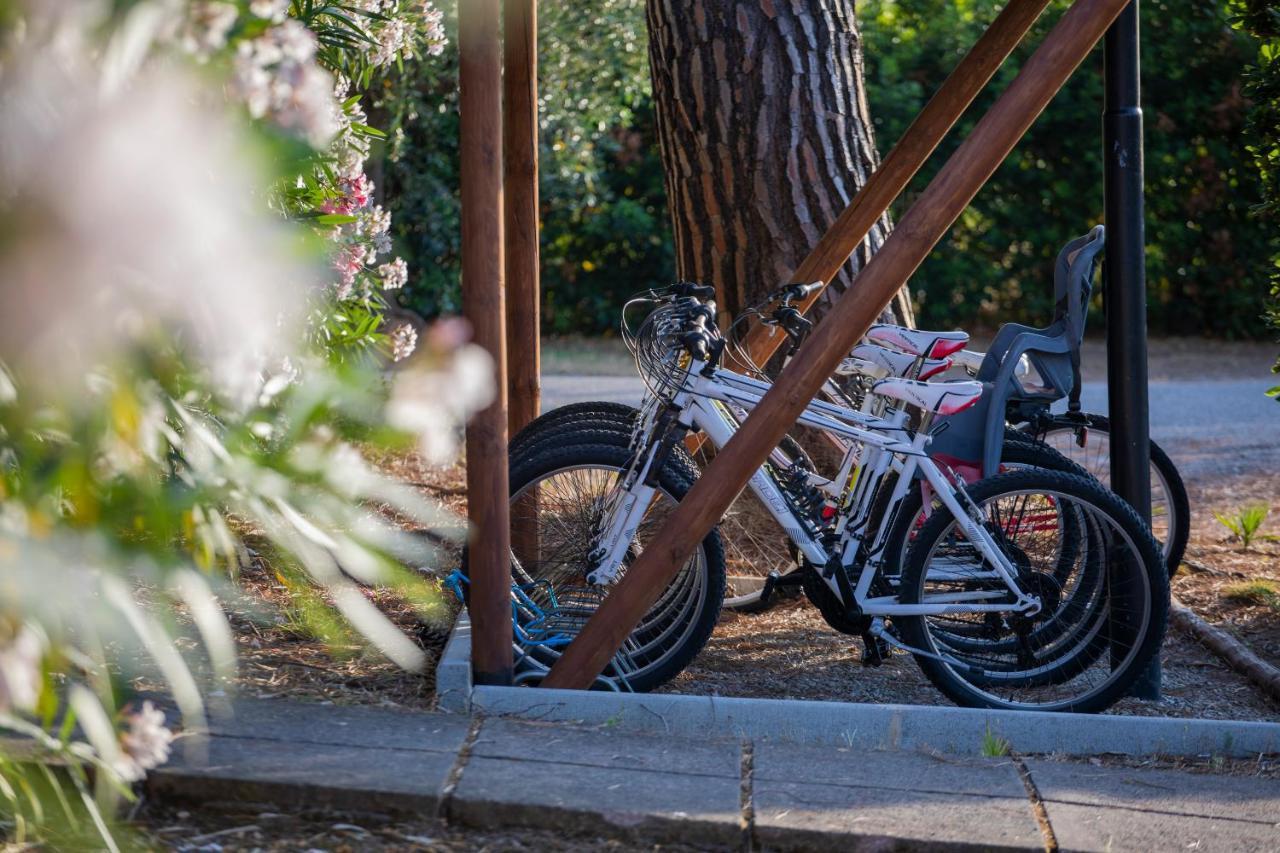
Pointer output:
x,y
246,828
790,653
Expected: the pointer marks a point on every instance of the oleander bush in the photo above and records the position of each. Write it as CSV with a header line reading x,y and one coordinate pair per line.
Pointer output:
x,y
192,353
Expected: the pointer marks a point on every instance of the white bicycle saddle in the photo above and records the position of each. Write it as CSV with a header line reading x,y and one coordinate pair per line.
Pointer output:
x,y
881,363
944,398
969,360
917,341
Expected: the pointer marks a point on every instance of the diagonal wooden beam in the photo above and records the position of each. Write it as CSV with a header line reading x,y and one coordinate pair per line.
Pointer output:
x,y
853,313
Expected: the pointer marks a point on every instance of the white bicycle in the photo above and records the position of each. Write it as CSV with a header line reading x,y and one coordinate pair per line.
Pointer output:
x,y
1032,589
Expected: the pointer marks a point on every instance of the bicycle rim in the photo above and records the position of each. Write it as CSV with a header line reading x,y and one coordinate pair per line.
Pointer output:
x,y
1021,666
554,520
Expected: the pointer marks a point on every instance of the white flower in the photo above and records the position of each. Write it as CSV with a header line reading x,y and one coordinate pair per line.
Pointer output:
x,y
435,403
135,210
276,77
394,275
376,221
272,10
433,26
404,340
392,39
144,744
20,672
207,26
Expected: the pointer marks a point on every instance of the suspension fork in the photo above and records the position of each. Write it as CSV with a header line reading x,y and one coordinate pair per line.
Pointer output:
x,y
634,494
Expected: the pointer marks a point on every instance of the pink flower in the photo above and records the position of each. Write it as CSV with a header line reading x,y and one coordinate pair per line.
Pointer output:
x,y
349,263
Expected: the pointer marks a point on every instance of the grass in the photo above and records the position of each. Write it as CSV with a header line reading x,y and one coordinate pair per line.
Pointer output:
x,y
994,746
1245,523
1264,592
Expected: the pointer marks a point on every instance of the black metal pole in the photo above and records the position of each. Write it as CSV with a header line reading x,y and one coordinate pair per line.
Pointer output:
x,y
1126,281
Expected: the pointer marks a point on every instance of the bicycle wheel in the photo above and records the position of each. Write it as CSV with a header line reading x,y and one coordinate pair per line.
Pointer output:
x,y
1023,666
558,495
752,539
601,413
909,518
1089,444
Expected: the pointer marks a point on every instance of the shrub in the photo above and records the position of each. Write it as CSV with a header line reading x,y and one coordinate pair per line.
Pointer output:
x,y
1206,252
606,230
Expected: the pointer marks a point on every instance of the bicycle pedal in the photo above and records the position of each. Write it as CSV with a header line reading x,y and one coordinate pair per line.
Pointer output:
x,y
874,650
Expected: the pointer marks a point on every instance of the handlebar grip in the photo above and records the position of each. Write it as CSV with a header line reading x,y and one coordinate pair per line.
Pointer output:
x,y
697,291
802,291
696,344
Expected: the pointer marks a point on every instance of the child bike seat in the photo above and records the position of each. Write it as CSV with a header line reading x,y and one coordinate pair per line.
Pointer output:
x,y
944,398
916,341
1026,365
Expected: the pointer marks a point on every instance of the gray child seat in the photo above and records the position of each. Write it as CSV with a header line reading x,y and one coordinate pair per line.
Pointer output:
x,y
1053,354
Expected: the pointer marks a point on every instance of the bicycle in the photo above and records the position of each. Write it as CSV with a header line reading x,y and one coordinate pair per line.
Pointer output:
x,y
1011,592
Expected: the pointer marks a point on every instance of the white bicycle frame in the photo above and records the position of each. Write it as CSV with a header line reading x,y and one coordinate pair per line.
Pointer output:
x,y
698,406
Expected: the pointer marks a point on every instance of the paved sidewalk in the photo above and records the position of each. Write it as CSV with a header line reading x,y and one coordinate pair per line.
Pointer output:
x,y
728,794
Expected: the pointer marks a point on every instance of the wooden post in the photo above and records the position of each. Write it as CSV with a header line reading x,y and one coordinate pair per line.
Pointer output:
x,y
853,313
520,161
488,564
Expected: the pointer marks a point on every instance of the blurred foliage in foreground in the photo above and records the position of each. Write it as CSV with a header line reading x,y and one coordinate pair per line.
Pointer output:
x,y
174,402
606,232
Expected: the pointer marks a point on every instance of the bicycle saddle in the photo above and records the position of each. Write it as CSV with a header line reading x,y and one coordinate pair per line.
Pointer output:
x,y
917,341
881,363
944,398
969,360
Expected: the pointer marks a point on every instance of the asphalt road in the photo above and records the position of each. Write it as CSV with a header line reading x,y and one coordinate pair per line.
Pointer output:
x,y
1209,426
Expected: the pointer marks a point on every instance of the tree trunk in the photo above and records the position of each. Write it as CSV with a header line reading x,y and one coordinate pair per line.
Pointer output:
x,y
765,136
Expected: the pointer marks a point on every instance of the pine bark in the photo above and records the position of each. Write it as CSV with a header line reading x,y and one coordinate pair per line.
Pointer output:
x,y
765,136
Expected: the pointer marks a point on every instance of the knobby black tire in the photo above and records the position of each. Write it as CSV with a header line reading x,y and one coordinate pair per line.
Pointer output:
x,y
1149,570
1179,504
603,413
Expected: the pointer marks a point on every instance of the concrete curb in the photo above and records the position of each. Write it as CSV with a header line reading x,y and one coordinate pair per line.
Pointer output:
x,y
958,731
943,729
453,672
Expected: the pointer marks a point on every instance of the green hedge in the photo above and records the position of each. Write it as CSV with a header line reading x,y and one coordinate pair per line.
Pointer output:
x,y
606,233
1261,18
1207,254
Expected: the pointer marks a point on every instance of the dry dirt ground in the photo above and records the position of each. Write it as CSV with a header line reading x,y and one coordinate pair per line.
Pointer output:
x,y
1235,588
247,828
